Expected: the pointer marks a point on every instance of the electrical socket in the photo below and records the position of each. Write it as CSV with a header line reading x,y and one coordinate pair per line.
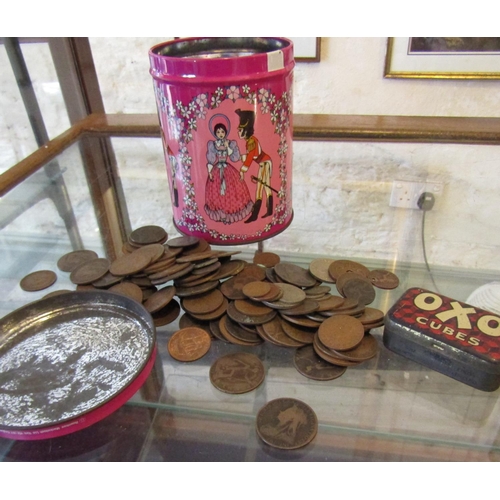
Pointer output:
x,y
405,194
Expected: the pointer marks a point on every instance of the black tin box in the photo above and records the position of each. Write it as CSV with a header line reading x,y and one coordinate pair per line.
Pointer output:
x,y
446,335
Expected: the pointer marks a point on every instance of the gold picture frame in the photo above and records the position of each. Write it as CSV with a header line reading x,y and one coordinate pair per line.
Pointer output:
x,y
453,58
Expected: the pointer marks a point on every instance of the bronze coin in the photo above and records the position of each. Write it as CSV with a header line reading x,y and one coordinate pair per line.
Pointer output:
x,y
341,332
171,270
72,260
193,280
326,354
302,321
266,259
330,302
319,269
275,293
155,251
244,319
200,247
241,333
189,344
250,308
233,287
187,320
107,280
147,235
160,265
368,349
203,303
254,270
274,330
216,331
286,423
183,241
229,337
371,315
317,291
256,289
128,290
309,364
160,299
217,313
189,291
344,278
307,306
299,333
292,296
200,264
202,271
196,257
384,279
167,315
237,373
294,274
339,267
38,280
359,289
172,274
90,271
230,268
130,263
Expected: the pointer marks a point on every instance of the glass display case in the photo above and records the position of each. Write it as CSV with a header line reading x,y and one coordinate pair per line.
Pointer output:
x,y
386,409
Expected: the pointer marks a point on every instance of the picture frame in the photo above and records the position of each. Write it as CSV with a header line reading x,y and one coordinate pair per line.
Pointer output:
x,y
442,58
306,49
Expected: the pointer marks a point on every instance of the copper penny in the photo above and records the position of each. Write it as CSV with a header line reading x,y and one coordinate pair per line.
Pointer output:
x,y
319,269
371,315
341,332
229,337
155,251
196,257
172,274
309,364
251,308
203,303
339,267
159,299
90,271
38,280
187,320
344,278
72,260
330,302
274,330
244,319
233,287
317,291
189,344
241,333
128,290
266,259
130,263
275,293
307,306
230,268
368,349
299,333
199,247
237,373
359,289
107,280
147,235
294,274
292,296
254,270
286,423
189,291
384,279
326,354
256,289
183,241
217,313
215,329
167,315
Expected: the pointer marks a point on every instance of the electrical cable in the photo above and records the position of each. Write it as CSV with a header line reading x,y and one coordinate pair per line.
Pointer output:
x,y
425,253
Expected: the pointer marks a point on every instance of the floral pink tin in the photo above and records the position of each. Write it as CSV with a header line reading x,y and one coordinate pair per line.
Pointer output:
x,y
225,110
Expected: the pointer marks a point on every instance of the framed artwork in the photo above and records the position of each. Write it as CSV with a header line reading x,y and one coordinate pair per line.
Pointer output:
x,y
433,57
306,49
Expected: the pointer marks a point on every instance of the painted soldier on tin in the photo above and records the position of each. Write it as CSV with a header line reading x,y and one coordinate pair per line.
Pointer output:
x,y
254,153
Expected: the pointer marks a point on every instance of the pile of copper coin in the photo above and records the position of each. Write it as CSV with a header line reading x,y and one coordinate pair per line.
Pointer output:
x,y
322,310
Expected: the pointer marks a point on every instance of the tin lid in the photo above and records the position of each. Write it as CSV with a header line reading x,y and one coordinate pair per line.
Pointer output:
x,y
469,329
188,59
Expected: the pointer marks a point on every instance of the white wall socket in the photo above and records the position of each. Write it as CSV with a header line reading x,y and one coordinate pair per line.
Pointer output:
x,y
405,194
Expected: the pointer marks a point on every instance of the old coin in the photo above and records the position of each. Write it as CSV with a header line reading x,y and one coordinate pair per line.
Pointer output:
x,y
189,291
292,296
330,302
240,332
266,259
72,260
187,320
368,349
38,280
251,308
237,373
203,303
183,241
159,299
130,263
294,274
189,344
90,271
319,269
107,280
244,319
341,332
298,333
199,247
359,289
344,278
128,289
309,364
147,235
256,289
342,266
167,314
233,287
254,270
307,306
274,330
216,331
286,423
217,313
326,354
384,279
155,251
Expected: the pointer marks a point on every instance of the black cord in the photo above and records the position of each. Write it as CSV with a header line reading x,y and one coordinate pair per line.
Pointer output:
x,y
425,253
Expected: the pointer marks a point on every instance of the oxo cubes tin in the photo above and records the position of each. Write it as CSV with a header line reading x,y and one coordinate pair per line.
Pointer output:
x,y
446,335
225,110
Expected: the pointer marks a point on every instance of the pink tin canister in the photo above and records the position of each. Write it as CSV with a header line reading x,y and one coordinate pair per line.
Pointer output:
x,y
225,110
